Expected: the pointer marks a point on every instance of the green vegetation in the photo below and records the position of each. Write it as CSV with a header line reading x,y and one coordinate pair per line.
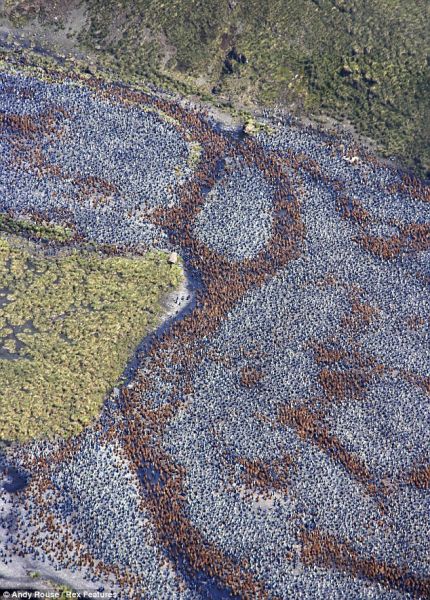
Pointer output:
x,y
68,324
41,231
195,153
364,62
252,126
34,574
66,592
62,590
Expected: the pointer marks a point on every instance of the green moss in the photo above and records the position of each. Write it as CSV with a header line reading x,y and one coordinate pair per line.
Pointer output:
x,y
68,324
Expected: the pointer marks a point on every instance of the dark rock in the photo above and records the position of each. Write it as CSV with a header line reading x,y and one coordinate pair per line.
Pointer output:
x,y
345,71
227,68
237,56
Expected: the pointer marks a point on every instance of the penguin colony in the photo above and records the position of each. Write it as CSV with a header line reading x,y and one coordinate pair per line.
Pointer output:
x,y
273,442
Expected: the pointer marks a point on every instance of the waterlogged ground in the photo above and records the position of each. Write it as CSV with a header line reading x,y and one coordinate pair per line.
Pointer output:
x,y
272,440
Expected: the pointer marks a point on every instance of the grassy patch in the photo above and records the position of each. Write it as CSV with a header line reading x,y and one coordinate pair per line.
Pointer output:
x,y
34,574
38,231
195,152
68,324
66,592
252,127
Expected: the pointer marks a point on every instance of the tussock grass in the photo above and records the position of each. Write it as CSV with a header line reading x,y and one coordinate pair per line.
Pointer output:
x,y
68,324
42,231
363,62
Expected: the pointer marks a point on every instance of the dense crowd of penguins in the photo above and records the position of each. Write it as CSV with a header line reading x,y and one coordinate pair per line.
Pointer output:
x,y
273,442
111,171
